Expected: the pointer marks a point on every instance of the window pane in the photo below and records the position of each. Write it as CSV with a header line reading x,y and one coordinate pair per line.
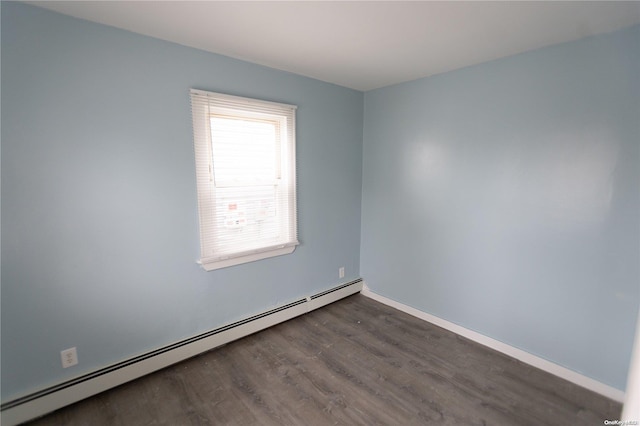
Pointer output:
x,y
244,150
247,218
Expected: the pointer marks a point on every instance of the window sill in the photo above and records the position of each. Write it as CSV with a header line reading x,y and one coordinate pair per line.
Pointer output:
x,y
211,265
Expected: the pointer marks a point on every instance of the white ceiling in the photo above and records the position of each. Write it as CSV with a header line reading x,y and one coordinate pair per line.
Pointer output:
x,y
360,44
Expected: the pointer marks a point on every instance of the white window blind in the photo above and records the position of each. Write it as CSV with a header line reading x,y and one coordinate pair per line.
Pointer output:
x,y
245,169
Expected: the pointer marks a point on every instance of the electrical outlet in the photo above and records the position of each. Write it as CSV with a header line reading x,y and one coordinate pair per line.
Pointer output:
x,y
341,272
69,357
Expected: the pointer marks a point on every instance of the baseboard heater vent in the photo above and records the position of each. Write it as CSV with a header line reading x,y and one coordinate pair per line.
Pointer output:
x,y
52,398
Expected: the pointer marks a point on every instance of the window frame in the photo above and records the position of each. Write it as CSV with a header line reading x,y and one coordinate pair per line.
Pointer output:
x,y
206,105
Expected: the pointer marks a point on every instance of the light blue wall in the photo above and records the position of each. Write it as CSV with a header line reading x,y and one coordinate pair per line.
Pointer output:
x,y
505,197
99,219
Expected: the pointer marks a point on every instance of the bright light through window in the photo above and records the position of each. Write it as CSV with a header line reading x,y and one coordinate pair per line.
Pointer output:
x,y
244,149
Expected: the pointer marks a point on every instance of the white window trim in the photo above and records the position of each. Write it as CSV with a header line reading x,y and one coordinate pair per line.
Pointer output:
x,y
213,264
206,187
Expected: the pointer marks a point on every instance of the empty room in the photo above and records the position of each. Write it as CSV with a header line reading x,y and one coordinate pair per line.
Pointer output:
x,y
317,212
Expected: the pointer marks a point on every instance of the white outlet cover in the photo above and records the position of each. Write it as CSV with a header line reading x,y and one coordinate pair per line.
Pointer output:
x,y
69,357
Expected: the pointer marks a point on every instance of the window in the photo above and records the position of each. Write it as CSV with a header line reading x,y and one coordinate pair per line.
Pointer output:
x,y
246,178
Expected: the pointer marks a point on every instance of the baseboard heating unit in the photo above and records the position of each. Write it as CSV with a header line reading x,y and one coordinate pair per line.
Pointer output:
x,y
50,399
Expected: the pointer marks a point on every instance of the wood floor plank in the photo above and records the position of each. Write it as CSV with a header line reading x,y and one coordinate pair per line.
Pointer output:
x,y
355,362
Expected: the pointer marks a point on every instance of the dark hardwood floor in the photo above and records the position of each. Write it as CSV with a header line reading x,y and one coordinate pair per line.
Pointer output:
x,y
355,362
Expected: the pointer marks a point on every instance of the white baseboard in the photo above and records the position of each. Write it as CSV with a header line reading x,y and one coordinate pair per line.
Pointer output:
x,y
51,399
519,354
